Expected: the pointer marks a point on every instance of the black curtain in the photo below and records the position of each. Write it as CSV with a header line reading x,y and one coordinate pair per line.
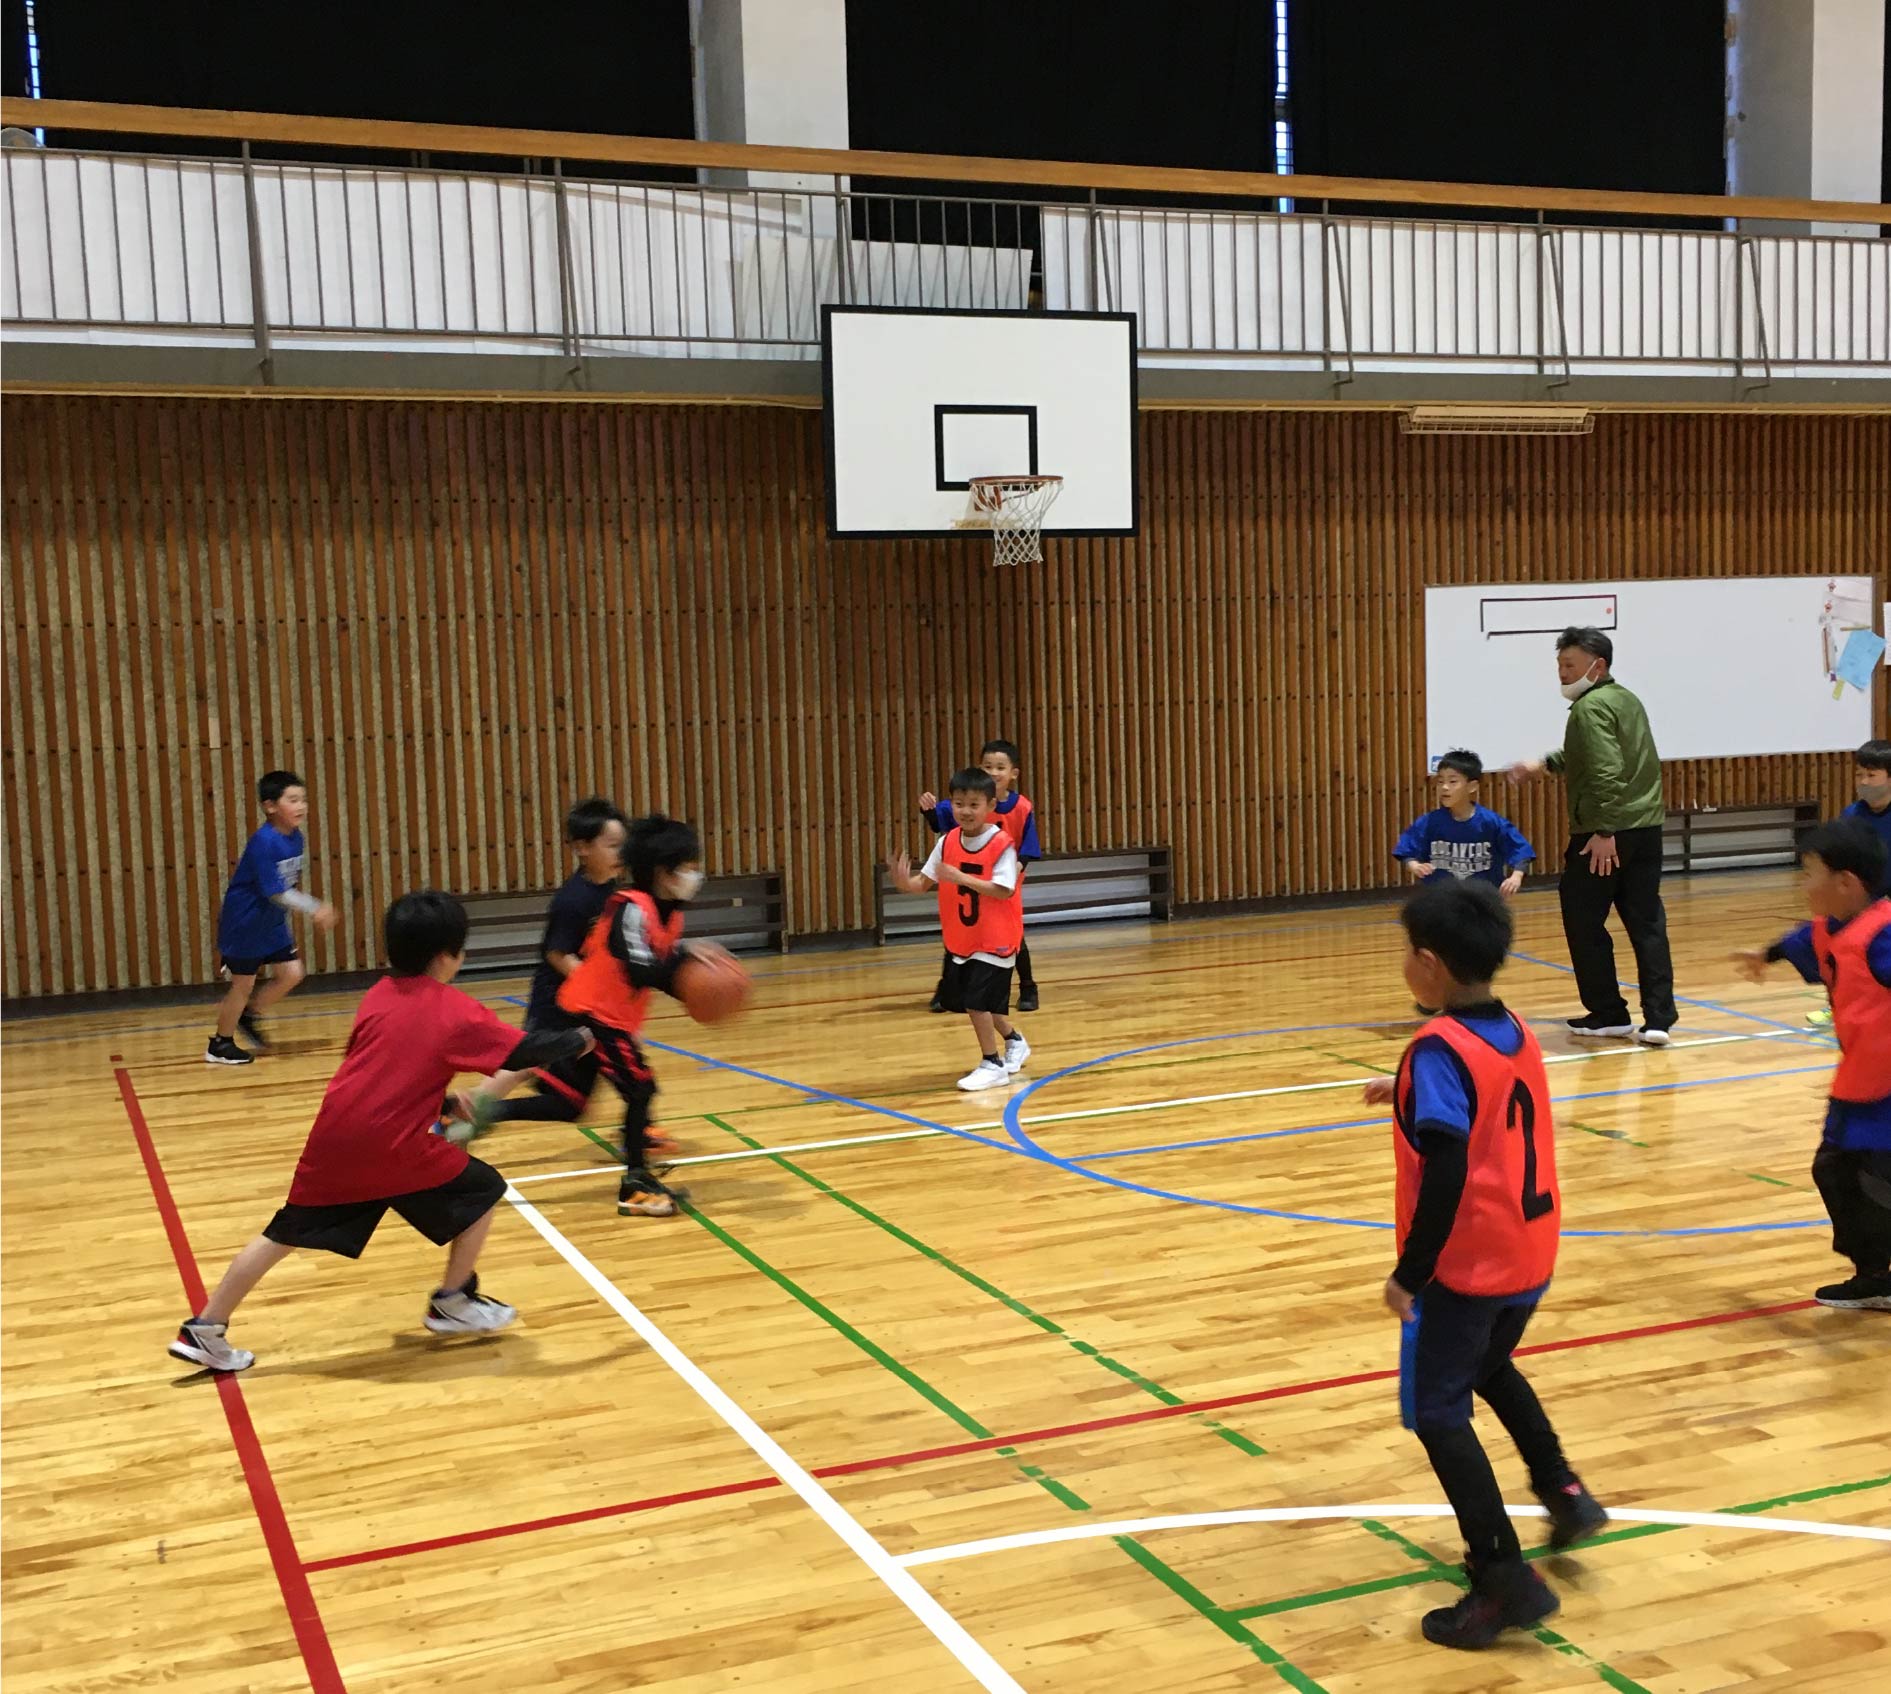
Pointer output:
x,y
1102,81
597,66
1620,94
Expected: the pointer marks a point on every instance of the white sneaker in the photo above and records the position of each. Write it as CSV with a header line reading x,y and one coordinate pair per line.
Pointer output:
x,y
991,1073
1017,1052
1652,1037
200,1343
467,1312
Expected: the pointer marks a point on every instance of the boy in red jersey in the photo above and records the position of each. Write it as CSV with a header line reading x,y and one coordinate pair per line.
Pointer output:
x,y
1478,1220
372,1148
975,868
1018,819
635,949
1848,947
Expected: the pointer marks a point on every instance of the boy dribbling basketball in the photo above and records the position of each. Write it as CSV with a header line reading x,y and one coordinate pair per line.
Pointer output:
x,y
1478,1221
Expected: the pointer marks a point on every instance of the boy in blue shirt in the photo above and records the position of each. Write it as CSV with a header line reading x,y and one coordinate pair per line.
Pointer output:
x,y
1847,946
1461,838
253,926
1872,777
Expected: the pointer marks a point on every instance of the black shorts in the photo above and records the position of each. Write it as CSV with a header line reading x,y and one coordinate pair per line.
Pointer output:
x,y
975,985
1455,1344
438,1213
254,967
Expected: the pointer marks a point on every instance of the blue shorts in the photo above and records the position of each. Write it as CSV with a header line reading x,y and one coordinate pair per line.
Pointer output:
x,y
253,967
1455,1344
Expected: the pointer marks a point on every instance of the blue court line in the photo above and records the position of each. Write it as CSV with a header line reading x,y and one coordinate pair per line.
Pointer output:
x,y
1014,1127
1029,1148
818,1093
1356,1123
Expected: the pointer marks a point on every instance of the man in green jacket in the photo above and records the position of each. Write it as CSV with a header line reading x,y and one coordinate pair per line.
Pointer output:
x,y
1616,813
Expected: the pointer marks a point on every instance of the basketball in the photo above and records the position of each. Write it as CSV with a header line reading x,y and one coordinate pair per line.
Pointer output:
x,y
712,990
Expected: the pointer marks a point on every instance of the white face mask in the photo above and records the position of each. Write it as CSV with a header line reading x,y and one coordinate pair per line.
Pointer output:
x,y
688,884
1581,686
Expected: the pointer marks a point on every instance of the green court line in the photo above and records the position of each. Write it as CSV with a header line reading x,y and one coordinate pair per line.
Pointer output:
x,y
1050,1326
1342,1059
1225,1621
1797,1188
1607,1134
1058,1491
1437,1569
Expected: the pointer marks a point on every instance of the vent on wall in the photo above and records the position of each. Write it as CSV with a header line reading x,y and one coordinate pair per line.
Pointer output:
x,y
1497,420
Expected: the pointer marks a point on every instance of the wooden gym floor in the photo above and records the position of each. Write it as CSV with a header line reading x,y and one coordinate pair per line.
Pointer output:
x,y
766,1445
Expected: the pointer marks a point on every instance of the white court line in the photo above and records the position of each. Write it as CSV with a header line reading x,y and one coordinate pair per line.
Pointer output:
x,y
1295,1514
1109,1111
952,1635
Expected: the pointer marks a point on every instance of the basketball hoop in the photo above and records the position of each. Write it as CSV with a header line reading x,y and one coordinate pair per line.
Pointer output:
x,y
1013,507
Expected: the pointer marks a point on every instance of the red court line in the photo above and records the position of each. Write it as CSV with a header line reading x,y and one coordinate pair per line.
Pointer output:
x,y
853,1467
589,1516
317,1656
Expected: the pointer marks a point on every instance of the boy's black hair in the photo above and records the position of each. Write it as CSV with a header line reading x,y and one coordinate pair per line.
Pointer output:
x,y
1873,756
1846,845
1465,924
1466,763
1591,641
1008,748
420,927
971,780
271,785
657,843
586,820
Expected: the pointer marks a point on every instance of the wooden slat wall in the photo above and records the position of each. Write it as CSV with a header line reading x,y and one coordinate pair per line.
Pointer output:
x,y
453,618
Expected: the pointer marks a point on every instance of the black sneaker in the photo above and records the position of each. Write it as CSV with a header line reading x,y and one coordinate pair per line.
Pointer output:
x,y
246,1021
643,1196
1027,997
938,1005
1575,1515
1509,1596
1592,1027
1866,1292
223,1050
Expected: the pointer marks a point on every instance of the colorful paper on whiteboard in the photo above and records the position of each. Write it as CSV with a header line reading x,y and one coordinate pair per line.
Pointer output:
x,y
1860,658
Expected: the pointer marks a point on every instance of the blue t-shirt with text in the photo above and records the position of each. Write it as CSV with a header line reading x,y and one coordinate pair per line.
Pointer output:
x,y
1483,846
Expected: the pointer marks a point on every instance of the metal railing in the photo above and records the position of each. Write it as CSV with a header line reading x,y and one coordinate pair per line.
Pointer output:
x,y
241,251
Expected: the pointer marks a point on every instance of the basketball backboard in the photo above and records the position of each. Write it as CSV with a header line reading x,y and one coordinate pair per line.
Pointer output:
x,y
920,401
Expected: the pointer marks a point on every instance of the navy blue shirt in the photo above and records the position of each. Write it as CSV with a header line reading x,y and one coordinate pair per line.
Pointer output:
x,y
941,818
575,910
250,925
1484,846
1849,1124
1879,823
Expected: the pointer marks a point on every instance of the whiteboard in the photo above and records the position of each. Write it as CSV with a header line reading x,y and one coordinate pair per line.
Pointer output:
x,y
1727,666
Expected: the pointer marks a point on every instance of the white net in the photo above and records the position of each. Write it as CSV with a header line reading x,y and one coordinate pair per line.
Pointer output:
x,y
1014,507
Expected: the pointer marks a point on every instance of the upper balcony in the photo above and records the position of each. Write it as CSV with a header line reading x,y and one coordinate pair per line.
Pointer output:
x,y
131,266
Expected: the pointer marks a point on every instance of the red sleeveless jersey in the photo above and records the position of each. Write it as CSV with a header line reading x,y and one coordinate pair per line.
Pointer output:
x,y
600,988
1861,1005
1509,1221
971,922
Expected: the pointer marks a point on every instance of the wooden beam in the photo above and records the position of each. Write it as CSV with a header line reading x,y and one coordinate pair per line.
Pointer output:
x,y
822,161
